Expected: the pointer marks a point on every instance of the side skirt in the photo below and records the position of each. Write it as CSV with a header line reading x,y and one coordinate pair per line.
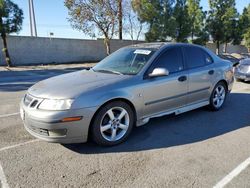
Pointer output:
x,y
175,111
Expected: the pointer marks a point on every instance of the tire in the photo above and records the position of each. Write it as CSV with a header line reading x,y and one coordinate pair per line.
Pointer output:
x,y
218,96
112,124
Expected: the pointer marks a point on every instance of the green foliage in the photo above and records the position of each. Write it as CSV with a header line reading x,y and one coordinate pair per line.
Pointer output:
x,y
202,37
247,39
172,19
182,21
244,22
86,16
11,19
229,20
222,21
196,16
159,15
244,26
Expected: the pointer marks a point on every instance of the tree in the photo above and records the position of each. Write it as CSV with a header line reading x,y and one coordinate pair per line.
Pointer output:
x,y
87,15
11,19
196,17
120,17
247,39
244,21
167,20
230,22
158,15
182,21
135,27
221,16
244,25
132,23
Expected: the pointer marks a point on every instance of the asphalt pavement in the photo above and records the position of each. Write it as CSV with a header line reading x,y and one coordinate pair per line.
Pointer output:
x,y
195,149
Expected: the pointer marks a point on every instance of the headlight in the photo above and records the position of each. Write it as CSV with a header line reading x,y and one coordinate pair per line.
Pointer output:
x,y
55,104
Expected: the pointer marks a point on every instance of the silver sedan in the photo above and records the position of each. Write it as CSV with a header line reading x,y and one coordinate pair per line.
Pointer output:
x,y
124,90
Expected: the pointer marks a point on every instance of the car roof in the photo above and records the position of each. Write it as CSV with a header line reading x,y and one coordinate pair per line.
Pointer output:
x,y
163,45
158,45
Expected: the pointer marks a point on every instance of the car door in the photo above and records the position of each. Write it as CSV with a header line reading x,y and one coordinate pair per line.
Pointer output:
x,y
166,93
200,74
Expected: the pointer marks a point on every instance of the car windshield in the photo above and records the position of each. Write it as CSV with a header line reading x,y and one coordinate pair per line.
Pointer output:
x,y
125,61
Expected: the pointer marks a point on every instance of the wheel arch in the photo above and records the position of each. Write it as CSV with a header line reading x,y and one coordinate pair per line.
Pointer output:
x,y
109,101
224,82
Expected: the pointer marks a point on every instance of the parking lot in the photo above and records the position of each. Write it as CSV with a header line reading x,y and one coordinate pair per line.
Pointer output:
x,y
195,149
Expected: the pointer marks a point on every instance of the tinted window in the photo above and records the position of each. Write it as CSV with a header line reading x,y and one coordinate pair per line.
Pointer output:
x,y
196,57
171,60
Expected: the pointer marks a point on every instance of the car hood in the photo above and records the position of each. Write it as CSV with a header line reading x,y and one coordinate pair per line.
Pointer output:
x,y
71,85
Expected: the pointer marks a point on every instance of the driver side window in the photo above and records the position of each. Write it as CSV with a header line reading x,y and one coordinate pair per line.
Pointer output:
x,y
171,60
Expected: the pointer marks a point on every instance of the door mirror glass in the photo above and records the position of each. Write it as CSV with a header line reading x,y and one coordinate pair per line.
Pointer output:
x,y
159,72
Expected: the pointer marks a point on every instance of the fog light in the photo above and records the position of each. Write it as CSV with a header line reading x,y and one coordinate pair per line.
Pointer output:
x,y
58,132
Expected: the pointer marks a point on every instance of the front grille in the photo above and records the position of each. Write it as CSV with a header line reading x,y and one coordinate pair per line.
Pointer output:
x,y
34,103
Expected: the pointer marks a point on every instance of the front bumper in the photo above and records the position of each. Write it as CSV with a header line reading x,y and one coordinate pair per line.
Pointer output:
x,y
242,76
47,125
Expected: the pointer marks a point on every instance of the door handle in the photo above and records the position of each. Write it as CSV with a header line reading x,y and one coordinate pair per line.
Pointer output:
x,y
211,72
182,78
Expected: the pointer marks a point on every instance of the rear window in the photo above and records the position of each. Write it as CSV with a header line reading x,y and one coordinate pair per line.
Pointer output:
x,y
196,57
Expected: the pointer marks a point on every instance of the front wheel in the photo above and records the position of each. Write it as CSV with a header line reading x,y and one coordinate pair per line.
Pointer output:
x,y
113,123
218,96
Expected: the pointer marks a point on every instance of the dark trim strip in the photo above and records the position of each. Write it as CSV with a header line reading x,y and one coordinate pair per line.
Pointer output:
x,y
165,99
177,96
199,90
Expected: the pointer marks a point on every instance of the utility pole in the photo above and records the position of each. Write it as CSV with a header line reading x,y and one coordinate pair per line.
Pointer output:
x,y
33,31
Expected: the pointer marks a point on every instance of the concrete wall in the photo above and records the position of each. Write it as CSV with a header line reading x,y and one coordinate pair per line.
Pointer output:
x,y
230,48
30,50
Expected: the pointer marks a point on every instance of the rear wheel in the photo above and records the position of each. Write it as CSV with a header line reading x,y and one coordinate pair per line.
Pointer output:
x,y
218,96
112,124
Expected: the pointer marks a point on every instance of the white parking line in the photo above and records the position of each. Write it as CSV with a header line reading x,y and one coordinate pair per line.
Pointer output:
x,y
17,145
233,174
3,180
8,115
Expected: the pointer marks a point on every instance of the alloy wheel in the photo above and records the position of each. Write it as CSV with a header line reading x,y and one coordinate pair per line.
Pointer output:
x,y
114,124
219,96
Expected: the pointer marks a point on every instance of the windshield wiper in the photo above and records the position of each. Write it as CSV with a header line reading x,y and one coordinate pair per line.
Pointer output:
x,y
107,71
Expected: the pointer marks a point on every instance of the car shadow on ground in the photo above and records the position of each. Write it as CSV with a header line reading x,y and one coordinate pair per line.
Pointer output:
x,y
11,81
187,128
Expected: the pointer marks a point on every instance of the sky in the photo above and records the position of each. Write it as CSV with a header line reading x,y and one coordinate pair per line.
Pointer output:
x,y
51,16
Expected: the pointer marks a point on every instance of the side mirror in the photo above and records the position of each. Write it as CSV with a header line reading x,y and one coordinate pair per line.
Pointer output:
x,y
159,72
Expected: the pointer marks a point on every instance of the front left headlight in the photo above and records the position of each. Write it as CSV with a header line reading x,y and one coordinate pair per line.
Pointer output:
x,y
55,104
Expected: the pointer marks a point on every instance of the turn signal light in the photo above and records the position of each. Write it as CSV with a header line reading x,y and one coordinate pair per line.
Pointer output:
x,y
68,119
